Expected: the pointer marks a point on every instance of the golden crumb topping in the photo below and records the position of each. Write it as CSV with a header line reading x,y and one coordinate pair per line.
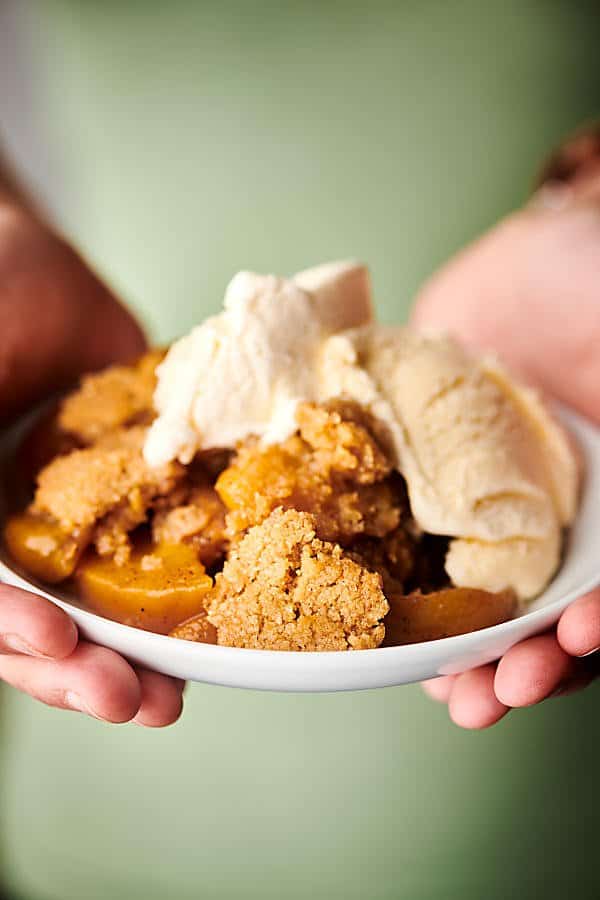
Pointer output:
x,y
333,469
120,395
108,487
284,589
341,441
199,519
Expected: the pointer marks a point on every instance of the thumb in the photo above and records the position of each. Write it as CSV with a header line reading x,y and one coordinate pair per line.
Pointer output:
x,y
530,290
57,319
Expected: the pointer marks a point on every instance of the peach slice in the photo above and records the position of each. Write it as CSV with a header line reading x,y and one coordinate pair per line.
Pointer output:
x,y
157,588
427,617
42,547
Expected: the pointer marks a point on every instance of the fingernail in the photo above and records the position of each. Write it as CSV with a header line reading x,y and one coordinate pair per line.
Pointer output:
x,y
75,702
16,643
552,196
590,652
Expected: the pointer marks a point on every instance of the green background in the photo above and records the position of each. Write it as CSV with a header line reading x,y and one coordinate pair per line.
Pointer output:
x,y
196,139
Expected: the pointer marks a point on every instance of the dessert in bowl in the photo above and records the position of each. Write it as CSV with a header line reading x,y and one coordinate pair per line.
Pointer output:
x,y
291,476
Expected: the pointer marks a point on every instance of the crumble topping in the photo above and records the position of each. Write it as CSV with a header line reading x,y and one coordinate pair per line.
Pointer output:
x,y
106,489
333,469
199,519
284,589
107,400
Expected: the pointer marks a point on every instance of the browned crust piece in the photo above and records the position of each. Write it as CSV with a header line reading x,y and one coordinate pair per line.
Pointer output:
x,y
106,489
199,519
284,589
107,400
333,469
341,441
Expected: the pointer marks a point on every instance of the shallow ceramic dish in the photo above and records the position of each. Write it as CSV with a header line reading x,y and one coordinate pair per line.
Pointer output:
x,y
344,671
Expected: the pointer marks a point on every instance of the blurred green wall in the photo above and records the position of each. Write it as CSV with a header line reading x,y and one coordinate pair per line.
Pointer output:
x,y
200,138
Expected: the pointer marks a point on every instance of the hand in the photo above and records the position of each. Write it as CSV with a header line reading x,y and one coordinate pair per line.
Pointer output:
x,y
57,320
530,290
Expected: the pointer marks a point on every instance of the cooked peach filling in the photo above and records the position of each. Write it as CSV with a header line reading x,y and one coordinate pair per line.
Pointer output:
x,y
155,589
42,547
305,545
450,611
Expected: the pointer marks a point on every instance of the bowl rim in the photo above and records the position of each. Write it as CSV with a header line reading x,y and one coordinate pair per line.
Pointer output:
x,y
441,644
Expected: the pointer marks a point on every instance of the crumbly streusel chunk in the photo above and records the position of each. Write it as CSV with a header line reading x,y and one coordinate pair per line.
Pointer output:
x,y
284,589
106,489
333,469
341,442
393,556
120,395
198,519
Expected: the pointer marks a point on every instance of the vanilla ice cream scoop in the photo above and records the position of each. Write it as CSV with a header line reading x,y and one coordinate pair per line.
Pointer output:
x,y
485,462
245,371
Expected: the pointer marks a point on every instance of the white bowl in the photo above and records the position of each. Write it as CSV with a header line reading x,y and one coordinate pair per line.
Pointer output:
x,y
356,670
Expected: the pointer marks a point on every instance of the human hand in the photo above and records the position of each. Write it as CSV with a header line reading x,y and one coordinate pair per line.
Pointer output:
x,y
56,321
530,290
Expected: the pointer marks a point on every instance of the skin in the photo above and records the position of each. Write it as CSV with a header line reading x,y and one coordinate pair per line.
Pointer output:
x,y
529,290
57,320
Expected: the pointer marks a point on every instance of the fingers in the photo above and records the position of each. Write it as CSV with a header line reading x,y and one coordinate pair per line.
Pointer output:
x,y
578,630
93,680
473,702
34,626
40,656
532,671
439,689
162,699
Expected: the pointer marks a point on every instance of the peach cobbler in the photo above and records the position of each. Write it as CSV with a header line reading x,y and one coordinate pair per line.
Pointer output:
x,y
333,485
